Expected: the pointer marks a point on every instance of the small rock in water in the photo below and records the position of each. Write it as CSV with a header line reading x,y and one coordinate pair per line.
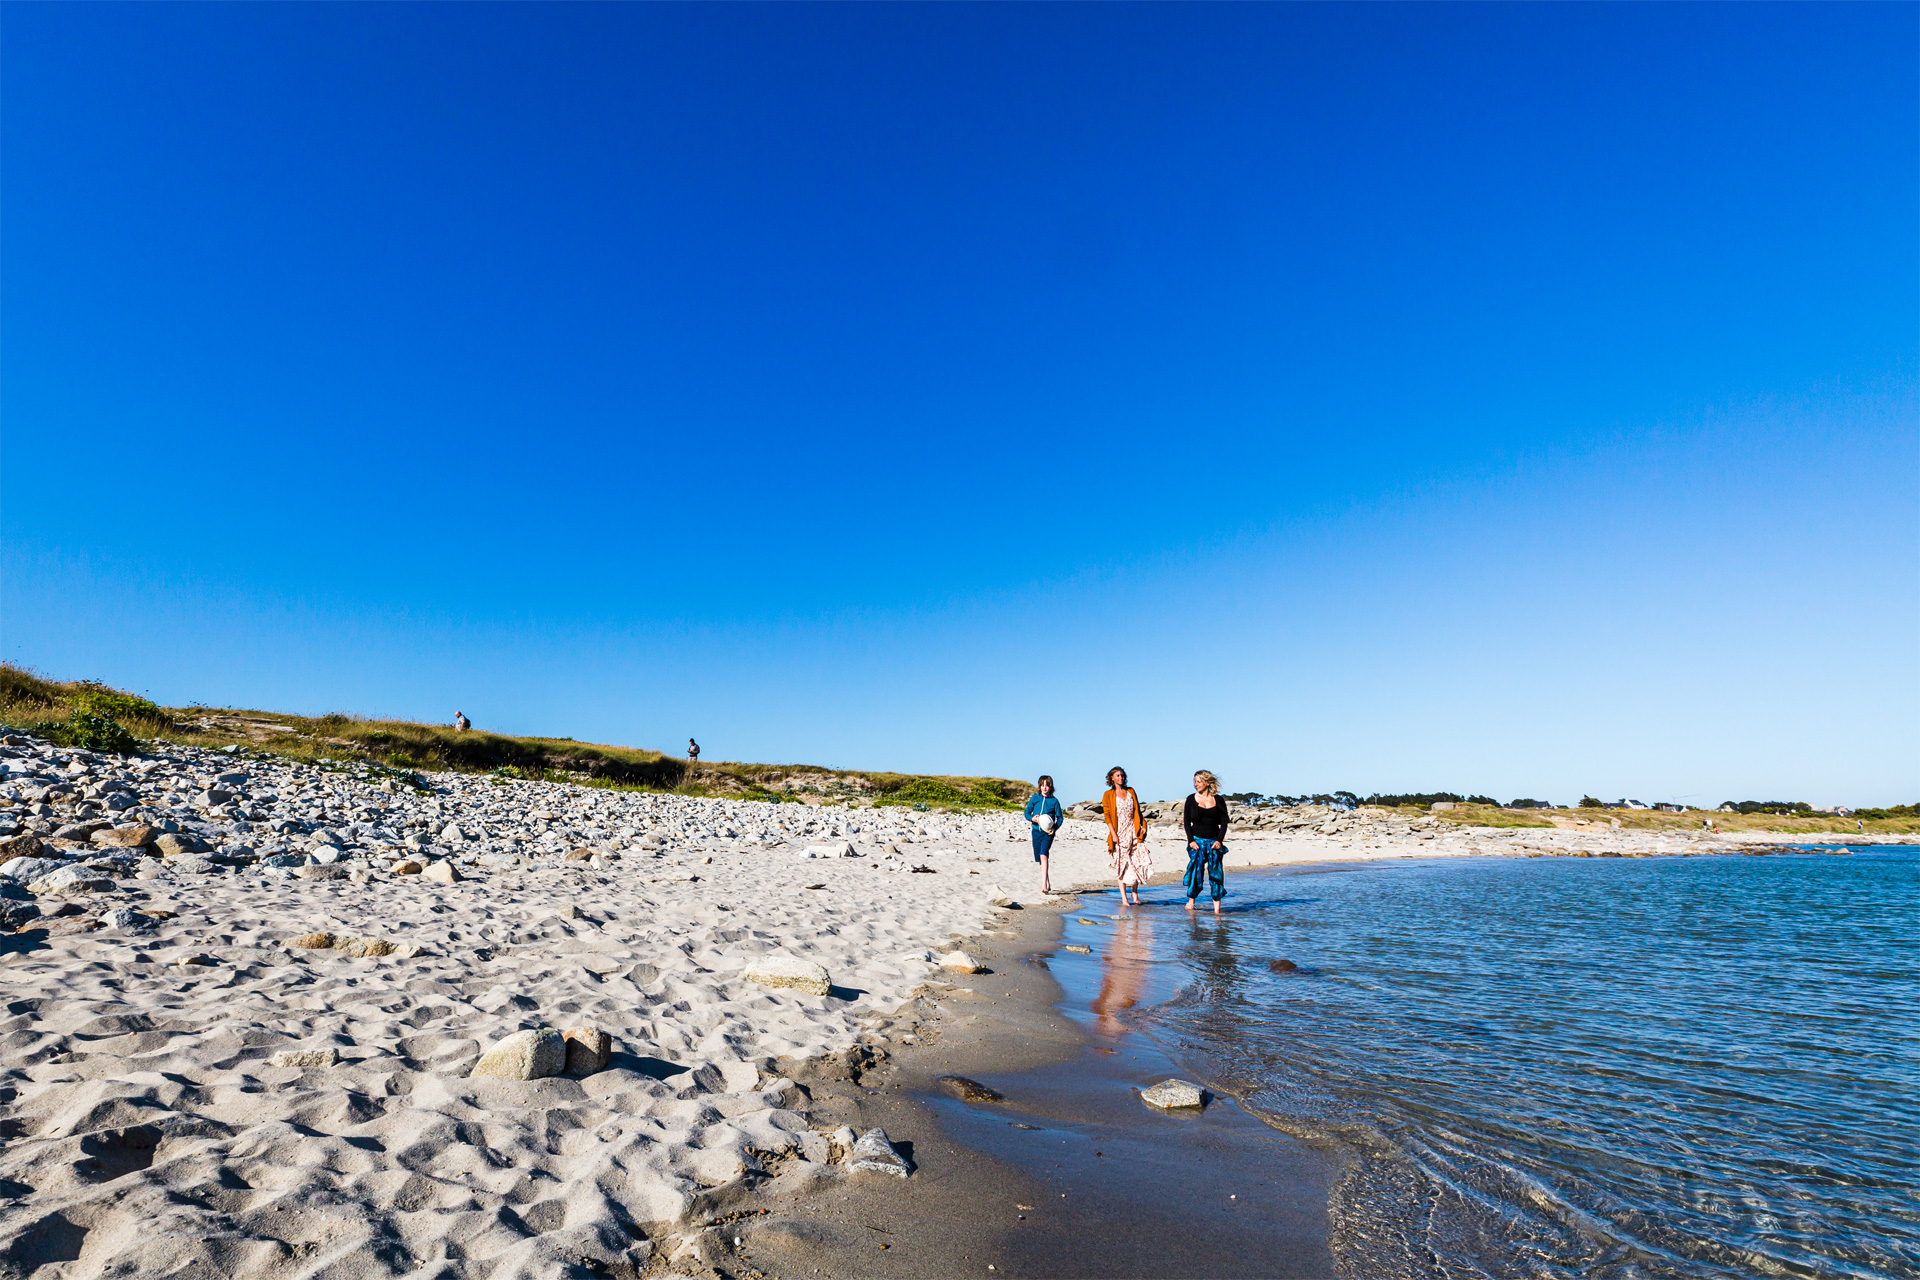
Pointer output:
x,y
873,1153
969,1090
588,1050
524,1055
1283,966
1078,949
960,961
305,1058
789,971
1172,1094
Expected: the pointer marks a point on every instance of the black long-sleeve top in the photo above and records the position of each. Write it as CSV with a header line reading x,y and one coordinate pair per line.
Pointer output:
x,y
1206,824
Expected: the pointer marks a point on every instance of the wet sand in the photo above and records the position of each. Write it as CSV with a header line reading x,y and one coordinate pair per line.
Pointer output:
x,y
1071,1175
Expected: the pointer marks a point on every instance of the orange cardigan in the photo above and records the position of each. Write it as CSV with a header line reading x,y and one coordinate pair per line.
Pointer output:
x,y
1110,804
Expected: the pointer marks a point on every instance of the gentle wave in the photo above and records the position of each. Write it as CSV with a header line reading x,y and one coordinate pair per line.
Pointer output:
x,y
1618,1068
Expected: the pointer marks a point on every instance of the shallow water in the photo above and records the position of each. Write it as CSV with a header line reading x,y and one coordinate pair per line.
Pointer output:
x,y
1698,1066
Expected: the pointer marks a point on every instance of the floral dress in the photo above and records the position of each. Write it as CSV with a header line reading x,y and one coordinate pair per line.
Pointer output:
x,y
1132,864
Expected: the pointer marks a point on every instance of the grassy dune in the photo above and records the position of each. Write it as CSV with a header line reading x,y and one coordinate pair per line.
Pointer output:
x,y
84,713
1483,815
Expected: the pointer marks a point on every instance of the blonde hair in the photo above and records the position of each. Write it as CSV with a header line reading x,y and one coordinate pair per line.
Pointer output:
x,y
1205,781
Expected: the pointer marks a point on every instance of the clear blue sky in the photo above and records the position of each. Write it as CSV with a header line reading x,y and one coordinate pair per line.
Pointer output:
x,y
1508,399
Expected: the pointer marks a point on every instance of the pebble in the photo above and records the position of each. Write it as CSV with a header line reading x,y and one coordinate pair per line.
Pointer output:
x,y
305,1058
969,1090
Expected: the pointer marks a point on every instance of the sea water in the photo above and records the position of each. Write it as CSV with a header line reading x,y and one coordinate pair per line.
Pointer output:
x,y
1704,1066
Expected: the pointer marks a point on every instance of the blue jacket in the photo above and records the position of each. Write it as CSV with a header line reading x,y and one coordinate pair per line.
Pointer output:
x,y
1038,804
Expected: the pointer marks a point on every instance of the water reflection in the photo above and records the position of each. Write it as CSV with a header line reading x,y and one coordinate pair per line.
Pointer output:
x,y
1123,971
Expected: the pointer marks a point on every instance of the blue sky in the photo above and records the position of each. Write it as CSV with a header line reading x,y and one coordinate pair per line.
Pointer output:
x,y
1508,399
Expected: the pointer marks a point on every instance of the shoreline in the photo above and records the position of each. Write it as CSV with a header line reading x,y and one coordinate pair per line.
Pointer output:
x,y
1129,1193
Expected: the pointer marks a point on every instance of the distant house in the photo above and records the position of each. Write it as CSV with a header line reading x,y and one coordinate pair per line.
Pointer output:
x,y
1837,810
1668,807
1727,808
1633,804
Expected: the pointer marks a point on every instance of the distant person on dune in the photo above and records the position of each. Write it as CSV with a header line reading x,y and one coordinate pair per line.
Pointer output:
x,y
693,751
1126,835
460,722
1206,823
1044,815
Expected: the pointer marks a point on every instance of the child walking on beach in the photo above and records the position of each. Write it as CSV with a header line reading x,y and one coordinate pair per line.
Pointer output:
x,y
1044,815
1126,835
1206,823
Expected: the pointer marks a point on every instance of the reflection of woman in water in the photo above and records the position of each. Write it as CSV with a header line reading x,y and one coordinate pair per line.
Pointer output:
x,y
1126,835
1123,972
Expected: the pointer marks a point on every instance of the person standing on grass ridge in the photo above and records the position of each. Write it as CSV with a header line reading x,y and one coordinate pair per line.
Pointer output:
x,y
693,750
1126,835
1206,823
1044,815
460,722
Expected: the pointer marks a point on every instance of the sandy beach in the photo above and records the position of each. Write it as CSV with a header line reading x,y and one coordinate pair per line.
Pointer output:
x,y
246,998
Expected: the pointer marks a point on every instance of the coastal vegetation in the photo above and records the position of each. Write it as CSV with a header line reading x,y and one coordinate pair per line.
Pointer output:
x,y
96,717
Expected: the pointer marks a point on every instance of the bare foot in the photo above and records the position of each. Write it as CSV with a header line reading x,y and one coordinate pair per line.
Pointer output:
x,y
1189,904
1216,908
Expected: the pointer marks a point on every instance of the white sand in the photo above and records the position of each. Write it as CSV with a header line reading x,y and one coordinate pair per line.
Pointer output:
x,y
147,1135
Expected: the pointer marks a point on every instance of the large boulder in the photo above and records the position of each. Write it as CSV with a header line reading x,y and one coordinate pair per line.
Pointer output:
x,y
789,972
524,1055
25,845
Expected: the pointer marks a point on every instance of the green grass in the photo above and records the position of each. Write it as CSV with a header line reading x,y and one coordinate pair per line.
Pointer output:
x,y
398,748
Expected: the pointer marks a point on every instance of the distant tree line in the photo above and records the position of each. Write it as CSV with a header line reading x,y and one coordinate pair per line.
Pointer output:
x,y
1768,806
1897,811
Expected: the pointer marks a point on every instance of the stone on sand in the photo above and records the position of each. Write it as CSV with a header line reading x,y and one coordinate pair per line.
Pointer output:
x,y
524,1055
1169,1095
20,846
588,1050
169,845
27,868
873,1153
314,941
442,872
126,837
363,948
68,880
961,961
407,867
789,971
304,1058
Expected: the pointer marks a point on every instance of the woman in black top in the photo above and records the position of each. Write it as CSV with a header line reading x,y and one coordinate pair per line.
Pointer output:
x,y
1206,824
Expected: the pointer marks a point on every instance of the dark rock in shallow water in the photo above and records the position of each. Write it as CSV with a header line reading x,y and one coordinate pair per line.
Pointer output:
x,y
969,1090
1283,966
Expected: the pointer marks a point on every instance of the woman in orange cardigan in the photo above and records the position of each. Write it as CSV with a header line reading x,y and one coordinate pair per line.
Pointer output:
x,y
1126,835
